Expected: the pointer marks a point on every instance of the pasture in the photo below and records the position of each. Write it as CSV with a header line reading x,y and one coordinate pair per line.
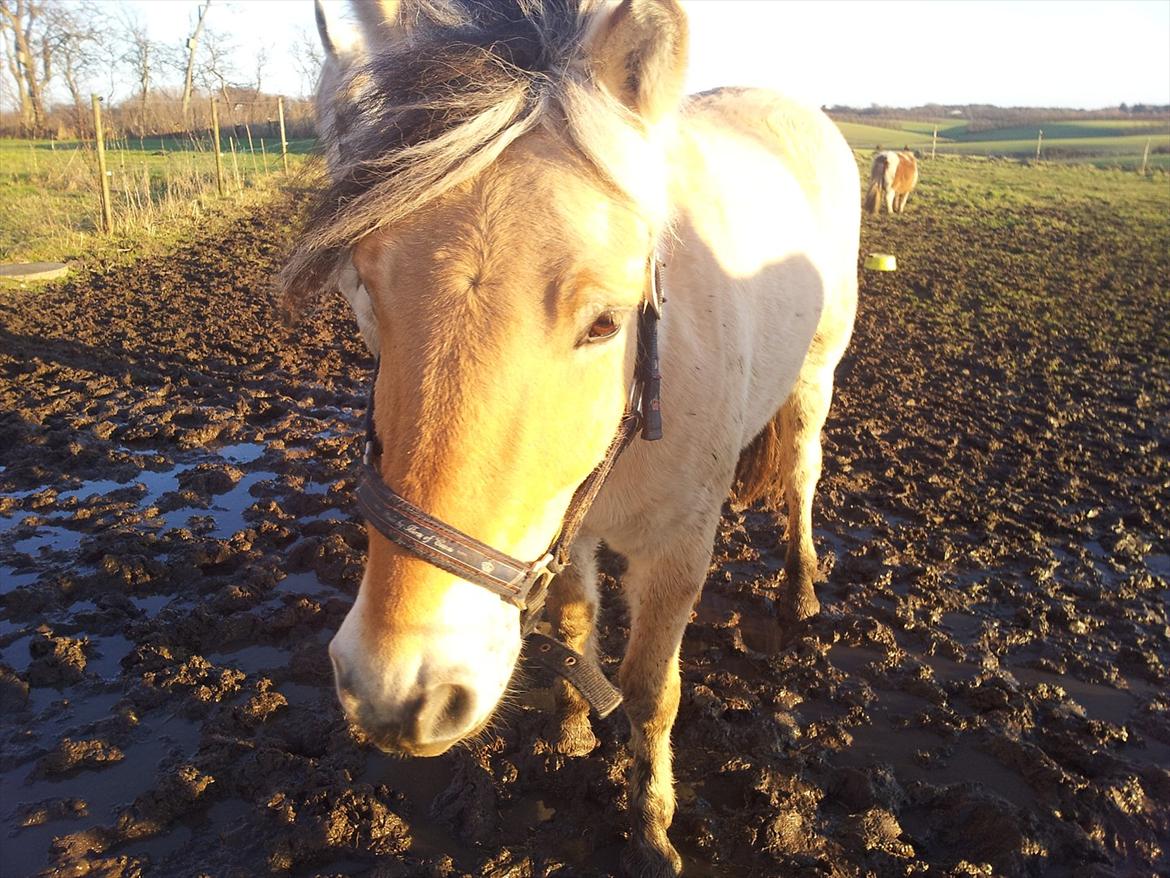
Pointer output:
x,y
984,691
50,204
1105,143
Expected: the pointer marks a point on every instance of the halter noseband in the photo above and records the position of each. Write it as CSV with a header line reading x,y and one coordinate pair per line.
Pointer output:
x,y
525,585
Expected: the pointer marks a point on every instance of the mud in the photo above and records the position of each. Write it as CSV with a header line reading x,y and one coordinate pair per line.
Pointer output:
x,y
985,691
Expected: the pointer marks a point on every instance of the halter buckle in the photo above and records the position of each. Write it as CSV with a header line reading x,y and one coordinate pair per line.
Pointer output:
x,y
531,596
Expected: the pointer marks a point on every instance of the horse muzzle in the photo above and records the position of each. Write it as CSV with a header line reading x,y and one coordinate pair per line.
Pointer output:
x,y
422,721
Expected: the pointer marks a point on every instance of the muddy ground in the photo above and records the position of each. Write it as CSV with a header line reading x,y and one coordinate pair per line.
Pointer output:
x,y
985,691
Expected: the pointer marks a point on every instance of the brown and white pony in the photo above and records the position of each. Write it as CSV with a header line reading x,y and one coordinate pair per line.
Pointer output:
x,y
501,174
891,180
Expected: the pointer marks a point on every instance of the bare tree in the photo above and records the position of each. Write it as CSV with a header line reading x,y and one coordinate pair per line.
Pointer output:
x,y
261,62
217,71
141,54
308,59
75,39
23,33
192,49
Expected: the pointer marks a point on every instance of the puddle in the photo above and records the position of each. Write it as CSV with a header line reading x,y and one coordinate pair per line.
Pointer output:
x,y
10,580
302,695
948,670
151,604
964,627
226,511
158,847
251,659
883,743
48,540
106,790
16,655
419,781
1158,564
98,487
758,627
1099,702
8,627
242,452
13,521
104,657
306,584
854,659
161,482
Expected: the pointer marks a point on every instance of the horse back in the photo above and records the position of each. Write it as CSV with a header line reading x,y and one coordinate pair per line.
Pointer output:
x,y
810,175
767,227
906,175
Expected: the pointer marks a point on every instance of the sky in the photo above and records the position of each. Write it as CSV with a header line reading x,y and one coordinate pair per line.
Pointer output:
x,y
1054,53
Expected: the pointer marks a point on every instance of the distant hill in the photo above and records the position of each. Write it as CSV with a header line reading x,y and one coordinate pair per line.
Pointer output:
x,y
1115,137
990,116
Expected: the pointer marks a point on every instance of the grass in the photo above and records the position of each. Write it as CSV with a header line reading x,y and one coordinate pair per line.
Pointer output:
x,y
1116,143
50,206
991,193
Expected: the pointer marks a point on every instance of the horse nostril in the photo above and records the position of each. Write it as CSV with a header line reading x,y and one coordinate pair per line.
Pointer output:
x,y
345,693
448,711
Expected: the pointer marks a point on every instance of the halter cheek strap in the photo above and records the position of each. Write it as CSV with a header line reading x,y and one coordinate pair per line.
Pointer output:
x,y
525,585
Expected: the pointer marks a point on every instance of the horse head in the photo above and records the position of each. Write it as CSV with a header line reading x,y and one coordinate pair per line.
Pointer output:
x,y
497,186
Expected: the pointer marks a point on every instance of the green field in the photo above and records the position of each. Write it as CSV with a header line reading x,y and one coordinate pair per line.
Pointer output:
x,y
995,194
50,205
1101,142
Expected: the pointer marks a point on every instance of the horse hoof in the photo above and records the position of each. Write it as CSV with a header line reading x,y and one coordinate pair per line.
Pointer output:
x,y
645,859
801,604
576,737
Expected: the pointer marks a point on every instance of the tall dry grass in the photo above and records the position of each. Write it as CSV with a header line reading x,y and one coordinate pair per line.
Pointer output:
x,y
50,205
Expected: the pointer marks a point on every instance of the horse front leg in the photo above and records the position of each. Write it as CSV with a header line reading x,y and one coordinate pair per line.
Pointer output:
x,y
572,609
661,591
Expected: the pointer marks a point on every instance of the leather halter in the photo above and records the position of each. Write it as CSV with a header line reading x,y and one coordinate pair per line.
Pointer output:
x,y
525,585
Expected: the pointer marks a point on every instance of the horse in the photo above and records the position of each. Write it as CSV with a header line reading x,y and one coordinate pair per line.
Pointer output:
x,y
541,225
892,178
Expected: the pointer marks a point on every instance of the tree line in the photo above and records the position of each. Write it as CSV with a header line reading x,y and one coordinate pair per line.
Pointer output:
x,y
56,53
987,116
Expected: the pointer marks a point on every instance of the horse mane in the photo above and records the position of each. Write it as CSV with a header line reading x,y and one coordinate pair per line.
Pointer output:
x,y
434,107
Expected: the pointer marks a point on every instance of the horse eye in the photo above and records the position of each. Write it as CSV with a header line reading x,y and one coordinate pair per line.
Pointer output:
x,y
605,326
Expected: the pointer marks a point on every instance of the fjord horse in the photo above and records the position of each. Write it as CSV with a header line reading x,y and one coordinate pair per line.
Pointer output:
x,y
892,178
503,178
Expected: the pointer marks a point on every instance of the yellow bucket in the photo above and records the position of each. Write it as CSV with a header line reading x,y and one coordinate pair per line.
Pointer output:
x,y
881,262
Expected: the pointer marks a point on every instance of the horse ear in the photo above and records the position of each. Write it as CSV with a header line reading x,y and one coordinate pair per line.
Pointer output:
x,y
379,20
338,37
640,55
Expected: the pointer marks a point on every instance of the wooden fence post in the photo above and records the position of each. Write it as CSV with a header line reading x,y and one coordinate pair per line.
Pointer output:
x,y
251,148
1145,156
283,141
104,181
235,164
934,142
218,152
1039,140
